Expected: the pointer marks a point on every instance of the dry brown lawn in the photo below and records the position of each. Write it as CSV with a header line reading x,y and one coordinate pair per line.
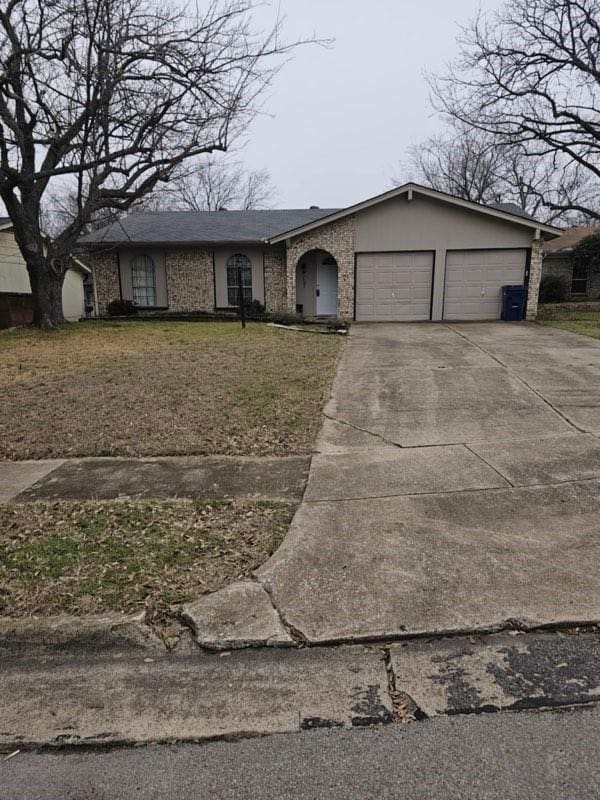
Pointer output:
x,y
95,557
162,388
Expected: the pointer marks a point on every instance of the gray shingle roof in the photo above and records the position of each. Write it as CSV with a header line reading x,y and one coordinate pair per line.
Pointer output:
x,y
511,208
192,227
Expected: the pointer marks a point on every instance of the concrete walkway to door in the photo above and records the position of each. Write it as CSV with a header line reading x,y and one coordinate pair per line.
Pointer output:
x,y
456,486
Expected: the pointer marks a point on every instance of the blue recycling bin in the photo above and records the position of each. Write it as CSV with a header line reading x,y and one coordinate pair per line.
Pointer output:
x,y
513,303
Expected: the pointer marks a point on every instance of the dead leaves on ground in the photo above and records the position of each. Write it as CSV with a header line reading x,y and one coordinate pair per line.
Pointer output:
x,y
94,557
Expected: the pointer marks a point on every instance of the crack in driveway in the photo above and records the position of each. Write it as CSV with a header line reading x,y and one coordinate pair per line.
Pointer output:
x,y
518,377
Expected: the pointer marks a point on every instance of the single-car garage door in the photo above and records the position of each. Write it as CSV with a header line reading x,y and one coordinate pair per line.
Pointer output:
x,y
474,281
393,286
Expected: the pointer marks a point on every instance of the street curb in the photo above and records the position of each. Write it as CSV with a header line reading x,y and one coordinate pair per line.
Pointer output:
x,y
68,634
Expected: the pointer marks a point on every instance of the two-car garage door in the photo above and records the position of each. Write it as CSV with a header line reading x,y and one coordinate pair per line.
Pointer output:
x,y
398,286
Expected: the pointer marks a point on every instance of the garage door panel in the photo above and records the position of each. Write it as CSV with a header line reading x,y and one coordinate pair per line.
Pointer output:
x,y
394,286
474,281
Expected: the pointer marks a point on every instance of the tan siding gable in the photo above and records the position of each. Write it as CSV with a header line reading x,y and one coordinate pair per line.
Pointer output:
x,y
13,273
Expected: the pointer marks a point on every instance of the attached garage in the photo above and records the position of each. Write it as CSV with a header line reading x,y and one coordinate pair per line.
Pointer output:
x,y
474,281
394,286
418,254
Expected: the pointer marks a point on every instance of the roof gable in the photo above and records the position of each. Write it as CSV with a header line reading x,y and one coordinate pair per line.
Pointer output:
x,y
499,211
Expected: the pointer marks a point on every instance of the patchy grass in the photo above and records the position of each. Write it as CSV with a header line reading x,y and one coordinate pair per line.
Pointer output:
x,y
94,557
586,323
162,388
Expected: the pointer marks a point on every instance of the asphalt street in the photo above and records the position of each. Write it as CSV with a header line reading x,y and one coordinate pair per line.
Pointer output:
x,y
533,754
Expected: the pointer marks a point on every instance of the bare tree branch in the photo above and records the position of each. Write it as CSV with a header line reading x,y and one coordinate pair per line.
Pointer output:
x,y
474,164
212,184
529,75
106,100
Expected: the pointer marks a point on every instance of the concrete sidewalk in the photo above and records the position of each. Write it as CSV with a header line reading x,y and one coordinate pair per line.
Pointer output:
x,y
196,477
456,488
132,690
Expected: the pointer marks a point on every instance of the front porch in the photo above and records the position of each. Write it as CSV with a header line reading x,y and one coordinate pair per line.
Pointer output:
x,y
320,272
317,285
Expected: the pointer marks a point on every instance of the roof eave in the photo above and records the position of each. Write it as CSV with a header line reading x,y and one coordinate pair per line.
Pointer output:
x,y
425,191
80,265
184,243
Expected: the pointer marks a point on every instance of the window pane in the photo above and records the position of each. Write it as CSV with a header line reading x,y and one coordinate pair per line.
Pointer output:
x,y
234,265
579,279
143,281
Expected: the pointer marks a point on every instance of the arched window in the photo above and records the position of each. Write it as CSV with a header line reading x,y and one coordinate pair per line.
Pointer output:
x,y
143,281
234,264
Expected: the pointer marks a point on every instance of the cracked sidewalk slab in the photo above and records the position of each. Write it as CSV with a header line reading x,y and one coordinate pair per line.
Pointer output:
x,y
197,477
109,701
514,671
239,615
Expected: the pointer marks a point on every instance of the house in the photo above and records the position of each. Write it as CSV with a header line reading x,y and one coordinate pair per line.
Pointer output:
x,y
412,253
15,289
579,282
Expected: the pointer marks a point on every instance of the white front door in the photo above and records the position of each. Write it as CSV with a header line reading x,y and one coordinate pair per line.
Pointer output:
x,y
326,290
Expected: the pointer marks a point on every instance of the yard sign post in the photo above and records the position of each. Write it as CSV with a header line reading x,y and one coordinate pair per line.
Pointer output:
x,y
241,291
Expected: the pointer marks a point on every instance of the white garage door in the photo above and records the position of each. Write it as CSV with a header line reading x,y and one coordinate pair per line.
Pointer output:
x,y
474,281
393,286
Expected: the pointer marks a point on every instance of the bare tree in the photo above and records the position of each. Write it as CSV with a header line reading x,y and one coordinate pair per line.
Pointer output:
x,y
529,75
109,98
462,162
475,165
213,184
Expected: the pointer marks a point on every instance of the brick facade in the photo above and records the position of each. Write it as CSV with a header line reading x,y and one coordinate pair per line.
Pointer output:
x,y
189,276
535,275
561,266
190,279
558,267
275,279
105,272
337,238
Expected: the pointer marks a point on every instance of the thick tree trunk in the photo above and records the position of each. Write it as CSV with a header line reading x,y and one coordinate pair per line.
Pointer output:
x,y
46,290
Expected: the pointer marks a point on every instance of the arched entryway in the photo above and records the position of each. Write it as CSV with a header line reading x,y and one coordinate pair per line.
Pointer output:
x,y
317,284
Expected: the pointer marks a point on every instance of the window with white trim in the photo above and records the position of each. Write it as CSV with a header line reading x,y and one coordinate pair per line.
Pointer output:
x,y
143,281
234,264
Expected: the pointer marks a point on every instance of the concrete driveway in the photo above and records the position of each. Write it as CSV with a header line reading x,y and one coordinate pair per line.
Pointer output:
x,y
455,488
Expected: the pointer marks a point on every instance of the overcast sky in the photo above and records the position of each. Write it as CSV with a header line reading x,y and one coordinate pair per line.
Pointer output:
x,y
340,119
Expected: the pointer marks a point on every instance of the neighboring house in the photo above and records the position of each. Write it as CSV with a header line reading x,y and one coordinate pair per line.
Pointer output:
x,y
15,289
579,281
412,253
